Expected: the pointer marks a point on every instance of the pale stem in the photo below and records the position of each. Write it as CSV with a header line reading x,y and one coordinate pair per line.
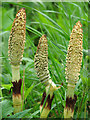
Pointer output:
x,y
15,73
70,90
17,103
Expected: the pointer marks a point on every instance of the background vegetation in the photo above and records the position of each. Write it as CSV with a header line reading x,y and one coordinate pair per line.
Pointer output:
x,y
56,20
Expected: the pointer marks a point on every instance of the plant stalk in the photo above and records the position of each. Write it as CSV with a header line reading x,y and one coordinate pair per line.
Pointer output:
x,y
15,73
47,99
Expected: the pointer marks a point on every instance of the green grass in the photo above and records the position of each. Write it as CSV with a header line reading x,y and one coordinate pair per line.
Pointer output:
x,y
56,20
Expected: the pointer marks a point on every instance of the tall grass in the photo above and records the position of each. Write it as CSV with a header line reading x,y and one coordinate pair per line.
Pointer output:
x,y
56,20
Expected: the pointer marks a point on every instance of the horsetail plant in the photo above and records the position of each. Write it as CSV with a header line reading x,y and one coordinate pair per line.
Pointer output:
x,y
16,49
41,66
73,65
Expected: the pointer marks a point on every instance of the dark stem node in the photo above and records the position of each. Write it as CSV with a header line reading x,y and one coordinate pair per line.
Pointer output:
x,y
48,101
70,102
16,87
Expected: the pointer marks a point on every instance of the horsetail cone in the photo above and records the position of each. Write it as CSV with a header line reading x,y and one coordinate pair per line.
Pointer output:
x,y
73,65
17,38
74,55
17,42
41,60
41,67
41,63
16,49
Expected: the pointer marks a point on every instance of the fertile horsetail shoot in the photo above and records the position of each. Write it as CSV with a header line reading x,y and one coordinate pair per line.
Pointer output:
x,y
73,65
41,67
16,49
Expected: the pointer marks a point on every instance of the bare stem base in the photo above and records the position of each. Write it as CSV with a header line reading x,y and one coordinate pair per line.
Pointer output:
x,y
17,103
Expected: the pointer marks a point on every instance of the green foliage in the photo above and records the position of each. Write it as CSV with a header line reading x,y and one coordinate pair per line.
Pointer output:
x,y
7,17
20,114
28,91
56,20
7,108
